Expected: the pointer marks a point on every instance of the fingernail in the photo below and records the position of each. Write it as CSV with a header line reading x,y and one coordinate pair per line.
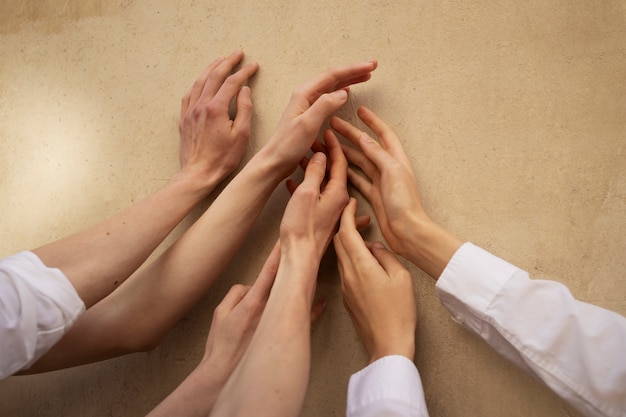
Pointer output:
x,y
365,138
378,245
318,158
341,94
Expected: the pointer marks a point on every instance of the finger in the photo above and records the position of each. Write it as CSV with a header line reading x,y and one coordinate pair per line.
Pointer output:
x,y
351,240
324,106
304,162
356,157
360,183
375,153
232,84
243,118
192,96
338,163
336,78
217,75
346,129
261,288
291,186
390,262
319,147
315,171
343,260
362,221
233,297
317,310
389,139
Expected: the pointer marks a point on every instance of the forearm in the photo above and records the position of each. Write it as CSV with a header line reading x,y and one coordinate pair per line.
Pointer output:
x,y
196,395
129,238
183,274
140,313
272,377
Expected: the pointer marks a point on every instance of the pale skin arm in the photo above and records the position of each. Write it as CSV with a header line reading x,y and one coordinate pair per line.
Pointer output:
x,y
377,292
234,322
389,185
99,259
272,377
139,314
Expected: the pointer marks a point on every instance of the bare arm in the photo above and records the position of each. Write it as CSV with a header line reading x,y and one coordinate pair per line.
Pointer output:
x,y
141,312
99,259
272,377
234,322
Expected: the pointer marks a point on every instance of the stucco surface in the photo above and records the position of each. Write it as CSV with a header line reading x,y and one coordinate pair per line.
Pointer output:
x,y
513,114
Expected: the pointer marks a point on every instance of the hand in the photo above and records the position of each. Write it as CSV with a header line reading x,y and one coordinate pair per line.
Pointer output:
x,y
311,215
310,104
211,144
392,190
391,187
377,292
235,319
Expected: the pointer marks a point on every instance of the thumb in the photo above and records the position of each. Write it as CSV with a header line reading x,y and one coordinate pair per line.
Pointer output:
x,y
324,106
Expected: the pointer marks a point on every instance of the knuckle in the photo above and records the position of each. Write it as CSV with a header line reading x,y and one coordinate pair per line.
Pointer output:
x,y
212,109
196,112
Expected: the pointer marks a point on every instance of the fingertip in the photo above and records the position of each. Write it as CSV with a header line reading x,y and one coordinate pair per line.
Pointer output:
x,y
318,158
366,139
341,94
378,245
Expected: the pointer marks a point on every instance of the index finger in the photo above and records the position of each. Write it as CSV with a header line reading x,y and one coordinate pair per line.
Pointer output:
x,y
336,78
338,172
388,138
350,238
215,78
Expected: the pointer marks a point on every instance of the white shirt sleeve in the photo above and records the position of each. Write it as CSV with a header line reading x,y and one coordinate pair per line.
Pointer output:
x,y
37,306
577,349
390,386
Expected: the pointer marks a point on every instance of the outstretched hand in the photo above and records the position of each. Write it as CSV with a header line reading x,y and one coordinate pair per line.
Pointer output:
x,y
377,292
310,104
313,211
391,188
211,144
235,319
389,183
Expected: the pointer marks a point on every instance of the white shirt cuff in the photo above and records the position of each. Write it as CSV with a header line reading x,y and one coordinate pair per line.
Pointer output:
x,y
390,386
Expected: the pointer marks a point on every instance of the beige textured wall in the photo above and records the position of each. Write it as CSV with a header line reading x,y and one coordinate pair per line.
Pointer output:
x,y
512,112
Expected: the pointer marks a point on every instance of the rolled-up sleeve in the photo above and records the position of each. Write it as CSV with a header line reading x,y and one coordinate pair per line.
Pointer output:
x,y
37,306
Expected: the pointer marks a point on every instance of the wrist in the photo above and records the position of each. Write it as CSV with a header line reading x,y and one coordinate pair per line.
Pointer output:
x,y
404,348
297,274
275,162
430,246
195,183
